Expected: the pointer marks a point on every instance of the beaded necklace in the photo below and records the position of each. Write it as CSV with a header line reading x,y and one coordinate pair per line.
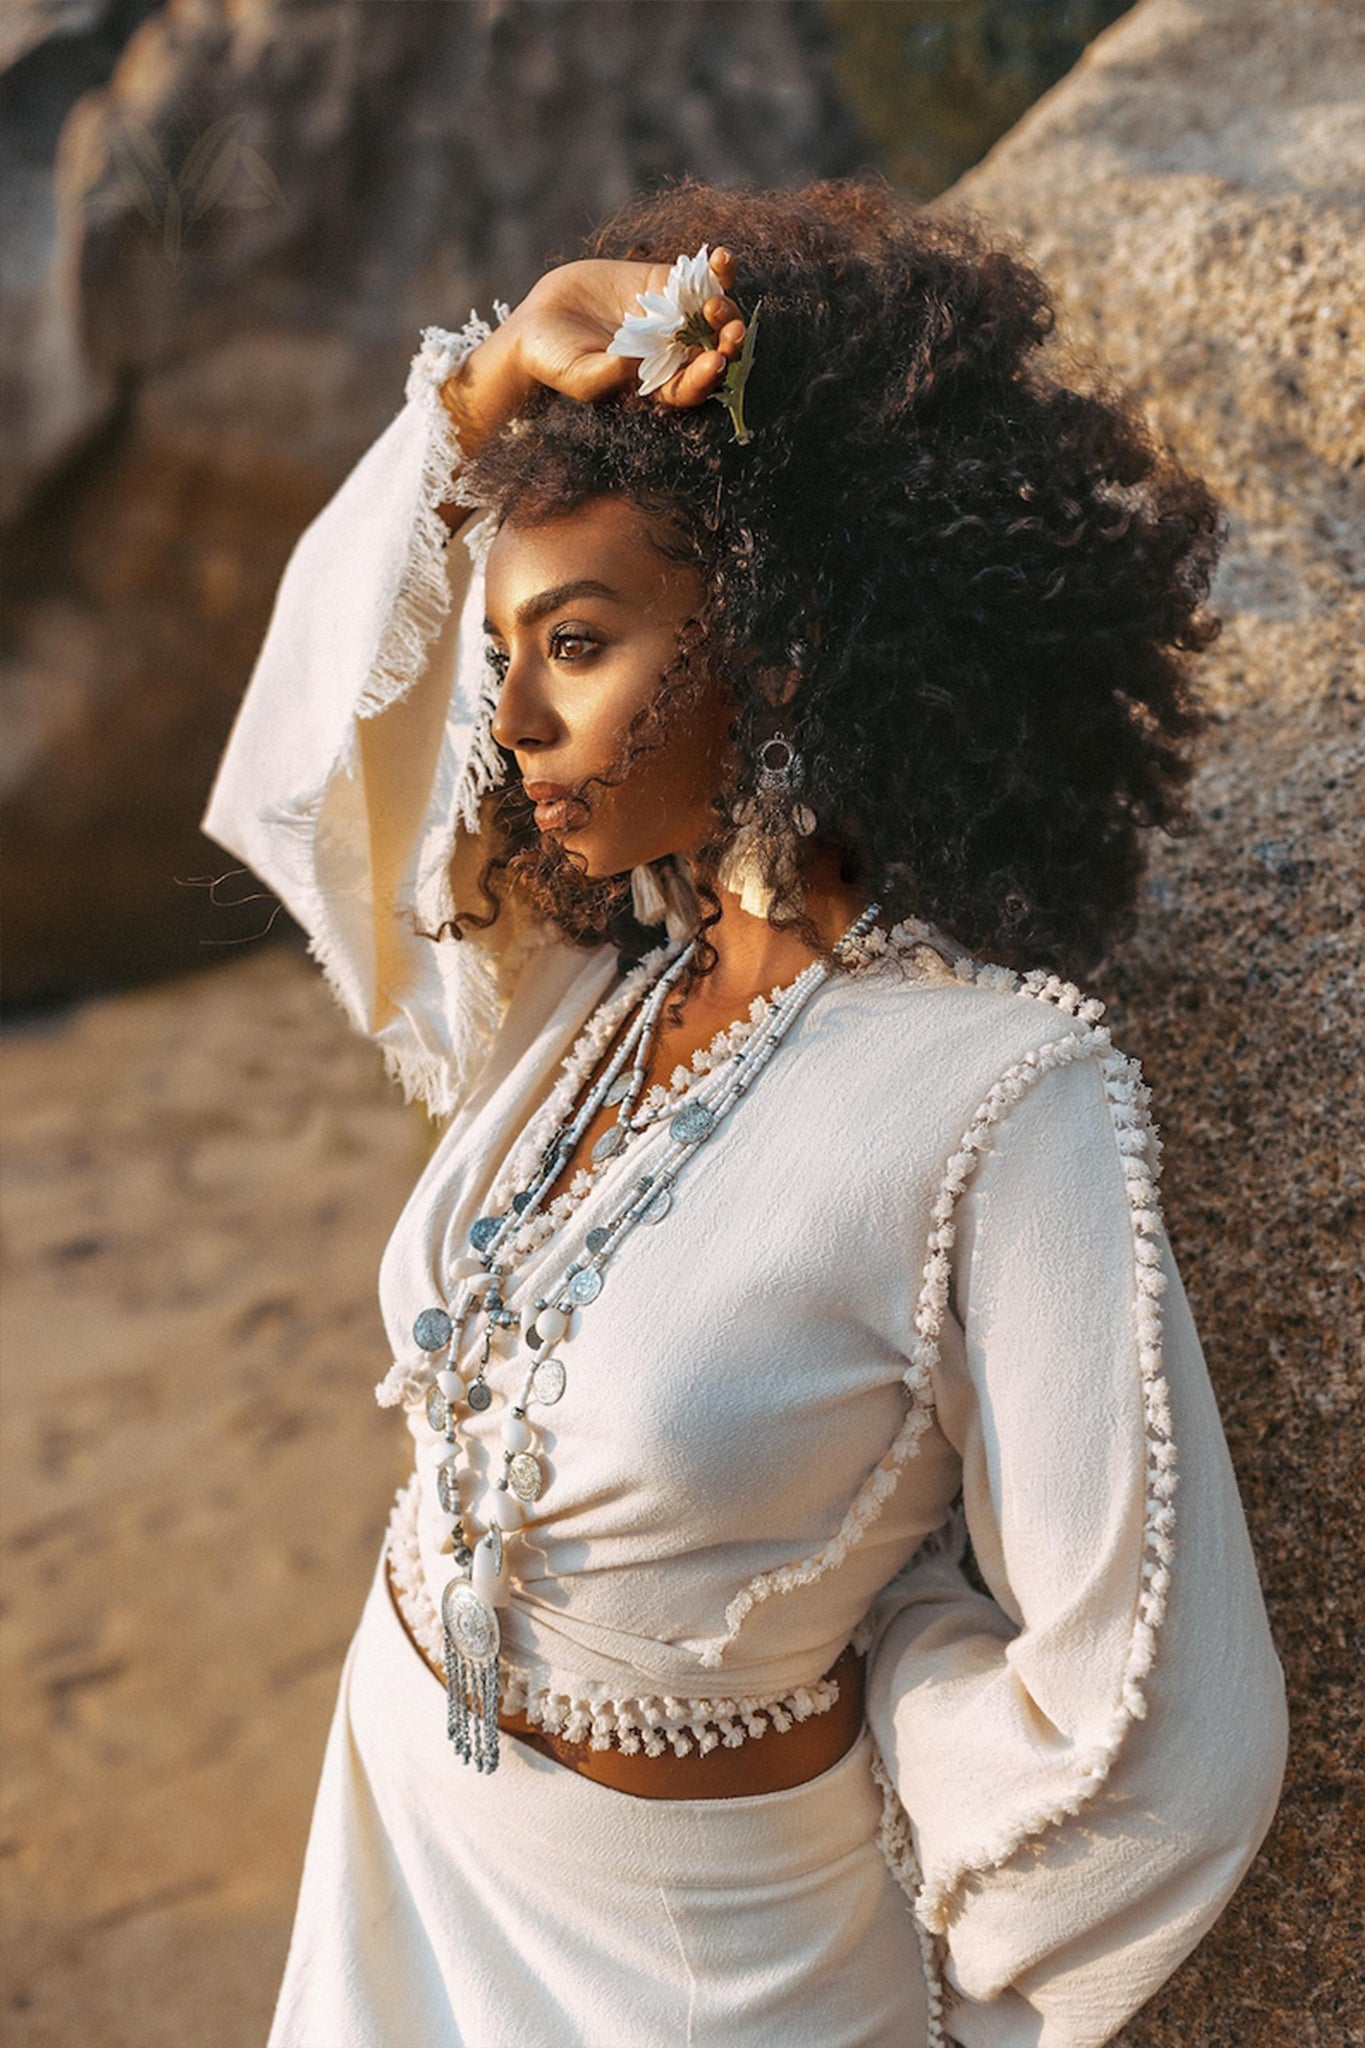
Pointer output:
x,y
481,1582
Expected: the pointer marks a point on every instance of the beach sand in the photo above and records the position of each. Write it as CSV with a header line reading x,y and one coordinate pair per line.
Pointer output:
x,y
198,1183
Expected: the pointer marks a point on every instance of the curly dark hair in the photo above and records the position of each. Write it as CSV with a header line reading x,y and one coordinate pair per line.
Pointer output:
x,y
989,575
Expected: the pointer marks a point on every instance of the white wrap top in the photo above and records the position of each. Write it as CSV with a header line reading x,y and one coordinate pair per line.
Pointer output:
x,y
922,1259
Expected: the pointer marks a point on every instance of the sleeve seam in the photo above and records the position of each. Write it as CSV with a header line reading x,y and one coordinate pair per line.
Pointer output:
x,y
1127,1097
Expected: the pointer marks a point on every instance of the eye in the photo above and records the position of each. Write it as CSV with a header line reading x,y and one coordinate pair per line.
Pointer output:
x,y
565,638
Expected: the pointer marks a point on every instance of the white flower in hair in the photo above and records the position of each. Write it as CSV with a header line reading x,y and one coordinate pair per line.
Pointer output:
x,y
672,324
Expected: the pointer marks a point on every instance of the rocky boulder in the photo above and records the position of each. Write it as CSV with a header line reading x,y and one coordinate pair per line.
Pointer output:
x,y
226,230
1195,191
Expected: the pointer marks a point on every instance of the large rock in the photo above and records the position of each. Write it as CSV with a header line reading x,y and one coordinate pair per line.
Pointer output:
x,y
208,317
1194,189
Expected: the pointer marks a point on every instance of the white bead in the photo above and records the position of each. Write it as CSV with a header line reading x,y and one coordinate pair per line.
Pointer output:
x,y
450,1383
506,1509
551,1325
480,1282
515,1434
466,1267
490,1585
434,1453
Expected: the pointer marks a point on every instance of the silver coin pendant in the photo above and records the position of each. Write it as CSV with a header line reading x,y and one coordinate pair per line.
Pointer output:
x,y
547,1381
483,1230
692,1121
471,1624
525,1476
431,1331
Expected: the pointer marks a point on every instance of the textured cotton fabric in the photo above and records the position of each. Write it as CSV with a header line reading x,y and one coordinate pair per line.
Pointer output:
x,y
923,1259
441,1908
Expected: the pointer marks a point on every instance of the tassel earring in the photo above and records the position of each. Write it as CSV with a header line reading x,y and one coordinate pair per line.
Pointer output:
x,y
769,824
666,895
683,913
646,894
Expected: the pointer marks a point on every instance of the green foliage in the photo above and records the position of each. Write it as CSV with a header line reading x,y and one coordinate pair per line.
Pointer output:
x,y
934,83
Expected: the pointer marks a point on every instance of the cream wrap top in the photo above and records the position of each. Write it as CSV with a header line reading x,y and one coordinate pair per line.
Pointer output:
x,y
922,1263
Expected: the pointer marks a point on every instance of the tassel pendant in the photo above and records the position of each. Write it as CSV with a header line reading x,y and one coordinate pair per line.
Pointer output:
x,y
473,1637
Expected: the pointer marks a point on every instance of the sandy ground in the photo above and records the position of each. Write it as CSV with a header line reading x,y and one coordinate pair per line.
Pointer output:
x,y
198,1181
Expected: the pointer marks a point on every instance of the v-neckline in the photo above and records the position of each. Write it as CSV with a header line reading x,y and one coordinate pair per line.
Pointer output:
x,y
564,1211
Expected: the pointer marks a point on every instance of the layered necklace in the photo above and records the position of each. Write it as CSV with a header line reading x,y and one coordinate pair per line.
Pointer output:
x,y
481,1282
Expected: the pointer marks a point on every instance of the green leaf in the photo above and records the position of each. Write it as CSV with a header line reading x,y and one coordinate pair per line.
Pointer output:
x,y
731,391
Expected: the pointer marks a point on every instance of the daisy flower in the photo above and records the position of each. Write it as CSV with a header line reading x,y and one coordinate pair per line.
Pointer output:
x,y
672,324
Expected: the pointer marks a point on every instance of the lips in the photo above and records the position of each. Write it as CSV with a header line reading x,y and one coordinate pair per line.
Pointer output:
x,y
552,800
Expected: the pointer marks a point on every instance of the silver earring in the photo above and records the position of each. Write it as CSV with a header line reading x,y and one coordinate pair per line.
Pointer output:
x,y
772,818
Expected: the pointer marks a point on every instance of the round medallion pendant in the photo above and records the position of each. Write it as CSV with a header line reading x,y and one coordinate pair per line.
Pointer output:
x,y
525,1477
609,1143
480,1395
619,1087
660,1206
470,1623
438,1411
483,1231
598,1239
431,1331
585,1286
693,1120
448,1486
547,1381
519,1201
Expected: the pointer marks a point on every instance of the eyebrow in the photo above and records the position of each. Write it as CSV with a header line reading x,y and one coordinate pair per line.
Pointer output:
x,y
533,608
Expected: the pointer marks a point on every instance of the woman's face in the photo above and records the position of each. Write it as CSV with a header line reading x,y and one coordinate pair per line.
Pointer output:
x,y
582,621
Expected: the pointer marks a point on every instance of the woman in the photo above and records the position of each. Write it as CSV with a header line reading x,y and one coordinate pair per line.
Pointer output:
x,y
792,1632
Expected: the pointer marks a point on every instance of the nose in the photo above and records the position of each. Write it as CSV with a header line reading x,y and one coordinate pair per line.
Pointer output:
x,y
522,720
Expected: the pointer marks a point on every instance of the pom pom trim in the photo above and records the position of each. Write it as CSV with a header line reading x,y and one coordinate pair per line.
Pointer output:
x,y
1139,1147
649,1724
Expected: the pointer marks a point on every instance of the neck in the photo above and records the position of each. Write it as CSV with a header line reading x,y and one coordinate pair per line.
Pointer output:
x,y
753,958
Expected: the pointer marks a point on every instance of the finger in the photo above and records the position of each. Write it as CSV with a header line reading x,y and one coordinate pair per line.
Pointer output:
x,y
695,380
730,340
718,309
723,263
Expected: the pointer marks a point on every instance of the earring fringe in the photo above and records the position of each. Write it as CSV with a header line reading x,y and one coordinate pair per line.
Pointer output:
x,y
647,895
683,913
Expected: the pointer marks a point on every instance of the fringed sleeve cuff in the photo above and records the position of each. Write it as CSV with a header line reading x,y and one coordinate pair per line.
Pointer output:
x,y
356,778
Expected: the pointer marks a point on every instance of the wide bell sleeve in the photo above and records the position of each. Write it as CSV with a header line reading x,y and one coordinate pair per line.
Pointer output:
x,y
356,777
1090,1753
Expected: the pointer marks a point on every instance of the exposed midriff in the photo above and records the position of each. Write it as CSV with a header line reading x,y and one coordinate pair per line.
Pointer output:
x,y
774,1764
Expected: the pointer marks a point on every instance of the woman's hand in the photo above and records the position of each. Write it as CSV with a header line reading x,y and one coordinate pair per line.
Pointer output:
x,y
559,334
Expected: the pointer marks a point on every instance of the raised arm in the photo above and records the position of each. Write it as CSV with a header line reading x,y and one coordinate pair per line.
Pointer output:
x,y
355,779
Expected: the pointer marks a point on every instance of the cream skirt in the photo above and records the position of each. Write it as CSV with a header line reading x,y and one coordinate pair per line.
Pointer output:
x,y
533,1908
